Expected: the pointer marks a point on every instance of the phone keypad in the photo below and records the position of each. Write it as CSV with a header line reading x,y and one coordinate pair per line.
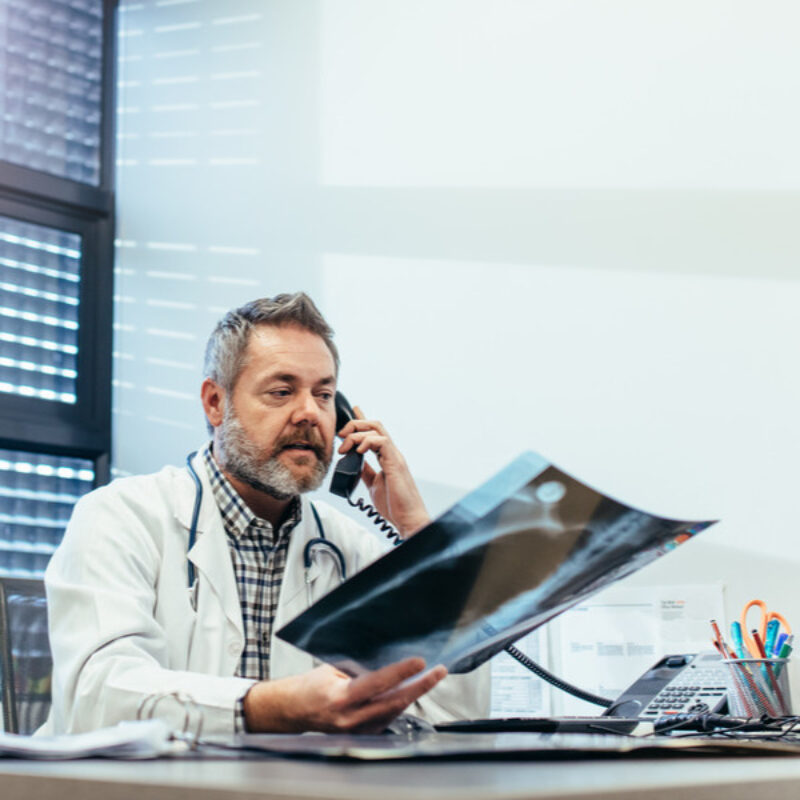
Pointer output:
x,y
695,690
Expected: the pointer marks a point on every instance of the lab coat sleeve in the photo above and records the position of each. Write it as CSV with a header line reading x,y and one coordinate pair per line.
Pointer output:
x,y
109,651
457,697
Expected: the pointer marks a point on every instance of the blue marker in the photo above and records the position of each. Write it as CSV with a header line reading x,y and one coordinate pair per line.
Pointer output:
x,y
738,643
772,632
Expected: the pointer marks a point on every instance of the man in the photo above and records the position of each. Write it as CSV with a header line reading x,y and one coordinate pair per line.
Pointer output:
x,y
138,612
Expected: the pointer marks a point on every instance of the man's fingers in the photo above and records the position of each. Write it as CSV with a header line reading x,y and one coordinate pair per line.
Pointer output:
x,y
363,441
357,434
409,692
364,688
371,441
361,424
383,709
368,474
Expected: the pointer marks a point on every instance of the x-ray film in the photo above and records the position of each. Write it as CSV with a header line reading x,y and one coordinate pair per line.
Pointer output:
x,y
517,551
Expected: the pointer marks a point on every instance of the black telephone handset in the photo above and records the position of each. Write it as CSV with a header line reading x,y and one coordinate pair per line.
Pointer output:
x,y
347,474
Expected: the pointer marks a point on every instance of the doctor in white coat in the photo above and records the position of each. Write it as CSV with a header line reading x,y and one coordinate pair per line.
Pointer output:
x,y
127,629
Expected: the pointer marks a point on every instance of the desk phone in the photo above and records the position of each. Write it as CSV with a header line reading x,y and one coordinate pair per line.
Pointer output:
x,y
690,683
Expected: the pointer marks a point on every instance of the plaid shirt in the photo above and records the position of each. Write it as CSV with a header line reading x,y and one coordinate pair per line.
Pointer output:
x,y
258,554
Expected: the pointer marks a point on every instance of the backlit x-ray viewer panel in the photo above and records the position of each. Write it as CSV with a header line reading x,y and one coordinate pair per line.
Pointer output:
x,y
528,544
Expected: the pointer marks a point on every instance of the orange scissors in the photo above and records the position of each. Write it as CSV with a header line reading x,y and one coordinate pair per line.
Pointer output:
x,y
764,618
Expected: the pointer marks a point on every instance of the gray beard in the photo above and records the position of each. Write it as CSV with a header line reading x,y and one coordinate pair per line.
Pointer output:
x,y
240,457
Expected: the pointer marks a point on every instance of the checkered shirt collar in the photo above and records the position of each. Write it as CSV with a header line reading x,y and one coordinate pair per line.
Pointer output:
x,y
238,518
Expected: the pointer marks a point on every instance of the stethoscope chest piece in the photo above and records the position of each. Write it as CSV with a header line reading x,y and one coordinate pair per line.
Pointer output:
x,y
318,546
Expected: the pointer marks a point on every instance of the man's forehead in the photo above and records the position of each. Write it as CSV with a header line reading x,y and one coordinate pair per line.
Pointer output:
x,y
287,346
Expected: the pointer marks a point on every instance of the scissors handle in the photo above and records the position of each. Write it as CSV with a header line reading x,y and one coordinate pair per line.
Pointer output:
x,y
761,626
768,626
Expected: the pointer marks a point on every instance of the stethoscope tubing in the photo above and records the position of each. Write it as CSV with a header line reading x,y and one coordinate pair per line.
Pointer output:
x,y
320,541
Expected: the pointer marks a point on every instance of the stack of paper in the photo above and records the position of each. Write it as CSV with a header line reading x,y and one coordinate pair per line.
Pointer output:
x,y
144,739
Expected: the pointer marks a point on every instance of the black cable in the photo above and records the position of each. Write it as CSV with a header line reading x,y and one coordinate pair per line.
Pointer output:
x,y
708,724
703,722
385,528
516,653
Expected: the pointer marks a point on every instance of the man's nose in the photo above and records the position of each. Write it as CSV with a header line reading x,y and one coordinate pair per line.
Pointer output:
x,y
306,409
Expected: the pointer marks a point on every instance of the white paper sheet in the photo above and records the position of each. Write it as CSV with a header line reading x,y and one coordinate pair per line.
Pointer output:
x,y
143,739
516,692
604,644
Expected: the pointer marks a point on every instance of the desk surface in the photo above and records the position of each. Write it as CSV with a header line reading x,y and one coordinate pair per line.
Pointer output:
x,y
278,779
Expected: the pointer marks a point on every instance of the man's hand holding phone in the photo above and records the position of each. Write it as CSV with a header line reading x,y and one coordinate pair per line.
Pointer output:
x,y
392,489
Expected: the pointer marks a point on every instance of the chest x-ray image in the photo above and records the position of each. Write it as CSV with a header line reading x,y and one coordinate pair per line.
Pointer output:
x,y
526,545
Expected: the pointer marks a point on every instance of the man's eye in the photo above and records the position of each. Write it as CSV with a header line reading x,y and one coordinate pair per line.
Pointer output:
x,y
326,396
279,393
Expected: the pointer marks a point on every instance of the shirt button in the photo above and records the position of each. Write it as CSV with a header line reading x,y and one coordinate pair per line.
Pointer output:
x,y
233,648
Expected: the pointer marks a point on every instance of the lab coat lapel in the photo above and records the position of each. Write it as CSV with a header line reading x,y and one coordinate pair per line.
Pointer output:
x,y
210,553
298,587
298,581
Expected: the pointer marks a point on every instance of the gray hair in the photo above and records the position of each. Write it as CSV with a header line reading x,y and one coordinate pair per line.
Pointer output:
x,y
228,341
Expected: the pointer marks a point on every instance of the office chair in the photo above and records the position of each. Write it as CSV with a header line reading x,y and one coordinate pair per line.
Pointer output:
x,y
25,660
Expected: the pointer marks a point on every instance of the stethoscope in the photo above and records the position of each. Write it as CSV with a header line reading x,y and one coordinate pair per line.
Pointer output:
x,y
320,542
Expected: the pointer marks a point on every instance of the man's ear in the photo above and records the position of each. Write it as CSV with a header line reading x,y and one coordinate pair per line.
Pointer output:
x,y
213,397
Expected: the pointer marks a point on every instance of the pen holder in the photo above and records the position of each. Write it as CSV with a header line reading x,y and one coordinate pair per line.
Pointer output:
x,y
758,686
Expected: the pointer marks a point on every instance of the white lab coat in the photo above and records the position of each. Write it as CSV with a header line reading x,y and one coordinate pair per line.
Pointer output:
x,y
123,628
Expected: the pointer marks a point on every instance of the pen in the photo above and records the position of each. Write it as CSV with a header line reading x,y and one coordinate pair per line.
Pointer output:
x,y
772,674
779,644
786,650
721,645
766,670
759,644
715,628
772,632
738,642
748,677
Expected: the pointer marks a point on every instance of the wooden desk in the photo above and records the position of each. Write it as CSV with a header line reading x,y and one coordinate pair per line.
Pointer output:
x,y
276,779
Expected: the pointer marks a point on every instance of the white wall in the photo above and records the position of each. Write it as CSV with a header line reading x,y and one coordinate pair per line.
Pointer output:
x,y
563,225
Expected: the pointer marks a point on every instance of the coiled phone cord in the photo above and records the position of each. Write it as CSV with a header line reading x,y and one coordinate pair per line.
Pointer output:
x,y
516,653
391,534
